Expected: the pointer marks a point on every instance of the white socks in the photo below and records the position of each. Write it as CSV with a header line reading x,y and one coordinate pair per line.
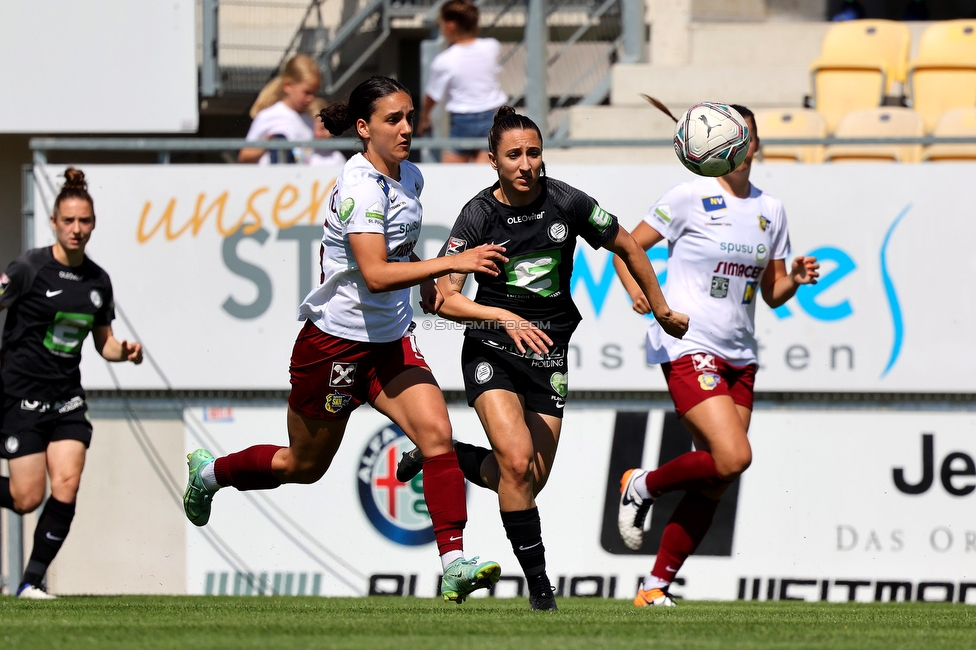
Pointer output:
x,y
653,582
640,486
449,557
209,478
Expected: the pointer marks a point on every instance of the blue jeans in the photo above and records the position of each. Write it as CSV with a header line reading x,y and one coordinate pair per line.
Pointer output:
x,y
472,125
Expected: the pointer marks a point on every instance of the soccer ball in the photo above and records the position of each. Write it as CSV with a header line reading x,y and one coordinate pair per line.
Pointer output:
x,y
711,139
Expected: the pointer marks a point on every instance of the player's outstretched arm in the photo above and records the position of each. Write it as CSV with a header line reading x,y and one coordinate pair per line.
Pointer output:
x,y
458,307
627,250
380,274
646,237
112,349
778,285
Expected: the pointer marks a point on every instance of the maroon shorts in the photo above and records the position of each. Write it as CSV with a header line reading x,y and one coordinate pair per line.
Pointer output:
x,y
694,378
332,376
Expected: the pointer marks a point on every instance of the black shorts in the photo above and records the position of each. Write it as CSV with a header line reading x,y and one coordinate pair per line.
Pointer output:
x,y
28,427
541,380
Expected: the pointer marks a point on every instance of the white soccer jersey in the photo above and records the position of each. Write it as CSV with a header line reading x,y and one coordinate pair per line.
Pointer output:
x,y
364,201
280,120
718,248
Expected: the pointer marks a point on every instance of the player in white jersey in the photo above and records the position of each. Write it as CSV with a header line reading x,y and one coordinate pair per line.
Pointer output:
x,y
727,242
356,344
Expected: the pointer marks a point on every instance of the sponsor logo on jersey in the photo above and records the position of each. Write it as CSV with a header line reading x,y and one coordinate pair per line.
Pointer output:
x,y
536,273
750,292
558,231
72,404
600,218
732,247
346,208
335,402
32,405
738,270
4,283
51,294
763,223
11,444
663,212
96,298
67,275
396,510
483,372
720,287
702,361
713,203
709,380
761,253
409,227
455,246
375,212
522,218
555,359
560,383
343,374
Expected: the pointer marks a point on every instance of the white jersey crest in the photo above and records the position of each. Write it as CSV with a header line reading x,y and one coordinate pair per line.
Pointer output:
x,y
365,201
718,248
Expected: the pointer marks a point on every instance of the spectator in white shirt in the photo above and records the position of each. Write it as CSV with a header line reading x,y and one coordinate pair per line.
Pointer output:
x,y
281,111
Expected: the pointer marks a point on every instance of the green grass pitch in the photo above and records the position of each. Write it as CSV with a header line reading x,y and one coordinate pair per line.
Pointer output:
x,y
200,623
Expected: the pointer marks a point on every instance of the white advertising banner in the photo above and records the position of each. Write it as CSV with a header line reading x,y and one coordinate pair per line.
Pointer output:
x,y
209,264
99,66
837,506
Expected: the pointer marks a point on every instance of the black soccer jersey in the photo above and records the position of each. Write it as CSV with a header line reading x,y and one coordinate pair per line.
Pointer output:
x,y
51,309
540,243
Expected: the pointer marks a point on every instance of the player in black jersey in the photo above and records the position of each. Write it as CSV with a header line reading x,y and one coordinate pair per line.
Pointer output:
x,y
519,326
55,296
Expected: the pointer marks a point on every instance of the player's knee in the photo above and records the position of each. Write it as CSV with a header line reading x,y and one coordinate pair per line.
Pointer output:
x,y
304,471
27,503
517,468
732,467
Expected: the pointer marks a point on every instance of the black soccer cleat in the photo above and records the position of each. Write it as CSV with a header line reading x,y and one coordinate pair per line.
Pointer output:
x,y
411,462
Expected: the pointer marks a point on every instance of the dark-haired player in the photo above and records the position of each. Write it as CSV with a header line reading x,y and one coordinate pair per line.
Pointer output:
x,y
54,296
357,344
519,325
727,243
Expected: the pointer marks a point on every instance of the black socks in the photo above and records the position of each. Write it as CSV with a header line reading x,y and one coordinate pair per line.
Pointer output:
x,y
470,458
6,499
52,528
524,530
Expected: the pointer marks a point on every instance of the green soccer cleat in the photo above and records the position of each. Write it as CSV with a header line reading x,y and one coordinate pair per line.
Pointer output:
x,y
197,498
464,576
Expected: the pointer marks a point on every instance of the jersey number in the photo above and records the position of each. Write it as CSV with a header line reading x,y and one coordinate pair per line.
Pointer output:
x,y
536,273
68,332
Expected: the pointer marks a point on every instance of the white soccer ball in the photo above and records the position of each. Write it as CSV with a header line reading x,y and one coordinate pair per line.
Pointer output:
x,y
711,139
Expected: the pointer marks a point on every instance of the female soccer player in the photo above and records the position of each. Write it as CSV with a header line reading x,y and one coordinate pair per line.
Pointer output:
x,y
357,344
281,111
519,325
727,241
56,295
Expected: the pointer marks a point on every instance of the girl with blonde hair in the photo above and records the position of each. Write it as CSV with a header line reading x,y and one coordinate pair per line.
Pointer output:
x,y
281,111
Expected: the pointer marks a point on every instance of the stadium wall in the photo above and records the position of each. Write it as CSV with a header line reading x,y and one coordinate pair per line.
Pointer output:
x,y
843,502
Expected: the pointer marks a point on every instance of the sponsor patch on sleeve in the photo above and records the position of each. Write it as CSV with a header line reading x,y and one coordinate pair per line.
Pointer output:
x,y
600,218
455,246
345,209
4,283
375,213
663,212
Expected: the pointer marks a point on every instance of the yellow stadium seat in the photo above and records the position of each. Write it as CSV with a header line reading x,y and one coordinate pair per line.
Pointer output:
x,y
860,62
884,122
958,122
791,123
944,74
